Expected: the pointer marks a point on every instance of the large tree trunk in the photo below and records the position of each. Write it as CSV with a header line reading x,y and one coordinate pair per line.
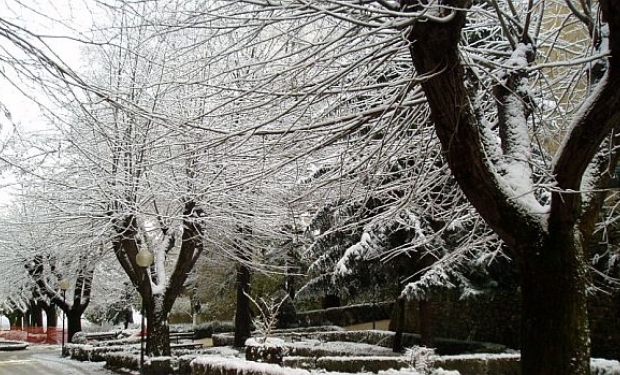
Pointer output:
x,y
52,316
74,323
554,327
158,333
126,250
243,314
52,322
36,314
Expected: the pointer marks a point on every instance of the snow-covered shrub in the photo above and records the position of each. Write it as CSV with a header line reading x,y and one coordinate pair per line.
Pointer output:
x,y
123,361
86,352
440,371
317,348
234,366
161,366
604,367
421,358
79,338
268,350
78,352
357,365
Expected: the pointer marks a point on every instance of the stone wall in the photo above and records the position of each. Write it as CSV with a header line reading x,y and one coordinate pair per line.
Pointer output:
x,y
491,317
496,317
346,315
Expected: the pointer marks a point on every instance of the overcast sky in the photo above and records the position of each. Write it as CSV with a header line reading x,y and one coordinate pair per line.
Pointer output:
x,y
58,22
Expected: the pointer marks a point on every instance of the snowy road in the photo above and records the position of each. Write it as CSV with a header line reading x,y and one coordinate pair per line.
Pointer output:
x,y
45,360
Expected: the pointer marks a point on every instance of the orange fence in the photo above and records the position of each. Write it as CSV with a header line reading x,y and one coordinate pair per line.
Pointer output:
x,y
35,335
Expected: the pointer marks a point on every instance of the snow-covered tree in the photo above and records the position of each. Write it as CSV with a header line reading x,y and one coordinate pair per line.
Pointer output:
x,y
189,88
398,240
146,166
500,80
50,252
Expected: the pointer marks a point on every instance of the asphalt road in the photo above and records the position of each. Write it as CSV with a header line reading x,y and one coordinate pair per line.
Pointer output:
x,y
45,360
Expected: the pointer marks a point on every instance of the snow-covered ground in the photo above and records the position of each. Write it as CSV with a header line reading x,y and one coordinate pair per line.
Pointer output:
x,y
421,362
46,360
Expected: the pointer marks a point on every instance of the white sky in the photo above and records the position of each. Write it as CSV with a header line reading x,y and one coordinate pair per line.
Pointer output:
x,y
55,19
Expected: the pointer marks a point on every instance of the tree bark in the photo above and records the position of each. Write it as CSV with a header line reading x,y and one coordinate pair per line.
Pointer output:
x,y
36,314
52,321
15,318
52,316
158,332
407,317
74,323
554,326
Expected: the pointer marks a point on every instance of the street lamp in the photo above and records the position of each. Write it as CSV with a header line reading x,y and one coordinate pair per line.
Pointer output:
x,y
63,285
144,259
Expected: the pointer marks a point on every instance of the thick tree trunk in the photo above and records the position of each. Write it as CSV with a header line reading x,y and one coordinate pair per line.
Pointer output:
x,y
126,250
554,327
74,323
52,322
158,333
36,315
555,336
52,315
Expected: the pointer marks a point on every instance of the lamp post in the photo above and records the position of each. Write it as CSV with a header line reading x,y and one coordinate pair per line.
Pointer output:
x,y
144,259
63,285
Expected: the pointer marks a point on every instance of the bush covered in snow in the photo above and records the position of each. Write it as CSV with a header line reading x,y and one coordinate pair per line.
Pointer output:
x,y
268,350
348,364
86,352
605,367
313,357
220,366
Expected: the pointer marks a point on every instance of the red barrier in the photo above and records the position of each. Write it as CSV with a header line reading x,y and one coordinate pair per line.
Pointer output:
x,y
35,335
54,335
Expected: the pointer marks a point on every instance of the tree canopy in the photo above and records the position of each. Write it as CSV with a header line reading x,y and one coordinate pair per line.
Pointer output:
x,y
194,119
